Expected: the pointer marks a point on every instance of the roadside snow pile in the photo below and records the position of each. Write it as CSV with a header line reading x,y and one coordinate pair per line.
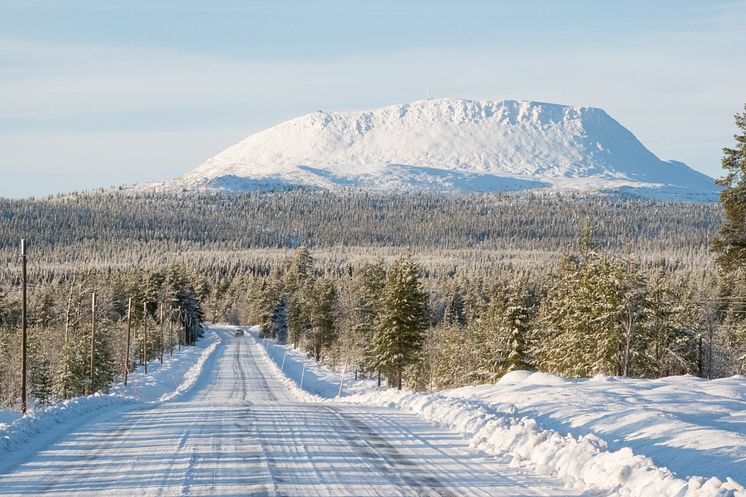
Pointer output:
x,y
303,372
162,382
584,460
176,375
73,411
7,417
208,344
687,424
617,437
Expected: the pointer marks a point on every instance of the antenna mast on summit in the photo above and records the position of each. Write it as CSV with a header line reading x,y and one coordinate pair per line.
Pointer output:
x,y
428,93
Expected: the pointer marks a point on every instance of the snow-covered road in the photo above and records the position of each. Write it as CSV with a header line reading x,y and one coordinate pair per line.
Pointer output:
x,y
241,431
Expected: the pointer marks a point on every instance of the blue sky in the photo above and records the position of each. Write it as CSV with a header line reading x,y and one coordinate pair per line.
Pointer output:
x,y
103,93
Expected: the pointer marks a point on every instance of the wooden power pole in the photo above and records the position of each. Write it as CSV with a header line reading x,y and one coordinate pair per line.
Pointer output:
x,y
127,348
171,331
24,337
161,342
93,339
145,339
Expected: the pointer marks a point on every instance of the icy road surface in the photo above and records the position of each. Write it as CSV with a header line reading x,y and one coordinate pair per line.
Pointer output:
x,y
240,431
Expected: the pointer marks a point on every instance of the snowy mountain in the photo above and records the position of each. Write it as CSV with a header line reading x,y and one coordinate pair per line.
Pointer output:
x,y
451,145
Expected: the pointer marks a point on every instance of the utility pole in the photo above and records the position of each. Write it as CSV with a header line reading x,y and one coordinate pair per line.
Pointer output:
x,y
93,338
161,333
127,349
145,341
180,339
171,330
24,338
188,330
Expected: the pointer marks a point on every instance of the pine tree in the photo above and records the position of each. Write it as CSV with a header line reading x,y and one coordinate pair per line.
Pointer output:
x,y
732,328
370,287
321,310
454,358
300,271
673,321
42,309
296,319
40,377
562,340
455,310
263,299
594,320
70,376
731,243
633,313
154,291
400,327
104,367
518,320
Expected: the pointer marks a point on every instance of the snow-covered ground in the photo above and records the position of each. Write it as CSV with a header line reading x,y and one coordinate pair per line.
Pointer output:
x,y
7,416
678,436
243,429
229,422
23,435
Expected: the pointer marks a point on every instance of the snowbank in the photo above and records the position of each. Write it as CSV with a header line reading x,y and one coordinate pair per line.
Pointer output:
x,y
162,382
175,376
303,372
71,412
7,417
617,437
687,424
584,460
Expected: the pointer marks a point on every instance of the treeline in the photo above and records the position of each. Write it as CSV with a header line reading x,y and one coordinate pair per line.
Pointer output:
x,y
596,313
112,222
164,308
224,235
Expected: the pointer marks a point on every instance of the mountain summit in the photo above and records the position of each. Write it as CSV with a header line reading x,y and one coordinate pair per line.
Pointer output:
x,y
452,145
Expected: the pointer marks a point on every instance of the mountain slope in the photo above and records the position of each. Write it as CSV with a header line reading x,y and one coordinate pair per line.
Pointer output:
x,y
451,145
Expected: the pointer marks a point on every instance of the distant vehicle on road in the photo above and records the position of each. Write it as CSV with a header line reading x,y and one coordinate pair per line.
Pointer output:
x,y
238,333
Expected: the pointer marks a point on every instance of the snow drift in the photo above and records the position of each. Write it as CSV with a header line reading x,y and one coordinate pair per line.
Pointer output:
x,y
451,145
617,437
171,380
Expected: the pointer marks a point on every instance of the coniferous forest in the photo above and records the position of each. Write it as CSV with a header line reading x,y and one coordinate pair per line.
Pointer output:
x,y
573,285
424,291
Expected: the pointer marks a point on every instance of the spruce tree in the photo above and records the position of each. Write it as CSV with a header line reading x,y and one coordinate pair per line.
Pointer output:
x,y
300,271
40,377
321,310
731,242
593,319
400,327
674,321
633,311
263,300
454,358
518,320
70,376
370,287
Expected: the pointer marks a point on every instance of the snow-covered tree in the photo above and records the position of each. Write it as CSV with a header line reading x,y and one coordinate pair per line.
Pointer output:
x,y
730,245
321,311
371,282
595,319
402,321
517,318
731,242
